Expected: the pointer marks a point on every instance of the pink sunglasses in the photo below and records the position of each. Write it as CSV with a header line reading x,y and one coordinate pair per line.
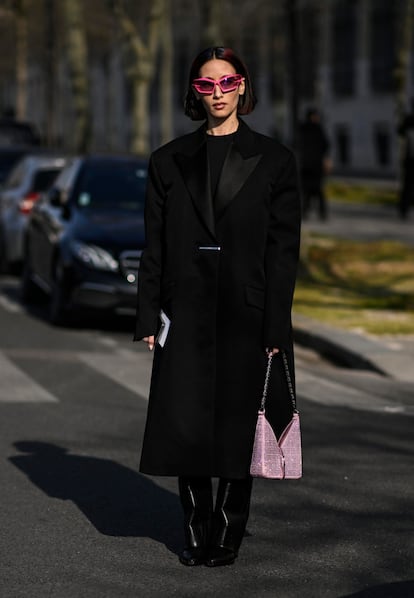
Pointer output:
x,y
206,86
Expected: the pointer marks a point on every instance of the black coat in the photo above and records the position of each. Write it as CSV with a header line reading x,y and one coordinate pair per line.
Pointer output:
x,y
226,305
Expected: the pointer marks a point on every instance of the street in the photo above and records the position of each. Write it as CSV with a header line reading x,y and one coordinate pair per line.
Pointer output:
x,y
78,520
363,223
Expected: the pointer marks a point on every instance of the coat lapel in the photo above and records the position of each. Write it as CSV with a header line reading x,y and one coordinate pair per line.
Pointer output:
x,y
236,170
240,162
196,174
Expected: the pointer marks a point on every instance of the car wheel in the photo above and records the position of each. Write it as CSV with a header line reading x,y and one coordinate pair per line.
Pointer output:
x,y
58,309
29,291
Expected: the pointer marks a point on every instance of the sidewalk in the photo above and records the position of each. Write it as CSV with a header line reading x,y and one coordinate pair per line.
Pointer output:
x,y
363,222
390,356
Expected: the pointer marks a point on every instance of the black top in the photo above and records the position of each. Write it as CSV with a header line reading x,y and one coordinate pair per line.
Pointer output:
x,y
217,148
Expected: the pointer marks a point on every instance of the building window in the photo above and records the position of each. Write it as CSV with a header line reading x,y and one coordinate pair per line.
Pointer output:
x,y
343,145
344,47
382,144
383,44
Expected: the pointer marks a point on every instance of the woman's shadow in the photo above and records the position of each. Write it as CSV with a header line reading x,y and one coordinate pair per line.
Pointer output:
x,y
117,500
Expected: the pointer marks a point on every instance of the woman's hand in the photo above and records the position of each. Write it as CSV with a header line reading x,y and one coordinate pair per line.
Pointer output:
x,y
272,351
150,340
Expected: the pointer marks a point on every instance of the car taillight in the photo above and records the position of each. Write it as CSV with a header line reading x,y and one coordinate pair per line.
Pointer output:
x,y
27,202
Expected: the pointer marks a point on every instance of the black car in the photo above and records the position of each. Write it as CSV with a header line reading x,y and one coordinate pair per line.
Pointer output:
x,y
9,156
85,236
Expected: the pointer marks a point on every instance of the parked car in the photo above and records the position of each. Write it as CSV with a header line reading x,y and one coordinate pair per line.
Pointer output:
x,y
32,175
8,158
85,237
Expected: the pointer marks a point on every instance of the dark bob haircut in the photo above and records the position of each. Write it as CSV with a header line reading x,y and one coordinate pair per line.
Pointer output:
x,y
193,107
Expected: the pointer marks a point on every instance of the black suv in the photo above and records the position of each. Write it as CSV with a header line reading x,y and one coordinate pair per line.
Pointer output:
x,y
85,236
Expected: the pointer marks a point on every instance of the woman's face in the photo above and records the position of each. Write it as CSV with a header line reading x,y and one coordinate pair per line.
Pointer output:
x,y
219,105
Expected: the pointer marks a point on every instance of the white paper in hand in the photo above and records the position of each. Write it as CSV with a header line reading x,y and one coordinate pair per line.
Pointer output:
x,y
165,326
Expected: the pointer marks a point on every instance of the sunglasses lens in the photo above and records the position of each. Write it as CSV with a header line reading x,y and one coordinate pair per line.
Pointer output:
x,y
204,86
229,83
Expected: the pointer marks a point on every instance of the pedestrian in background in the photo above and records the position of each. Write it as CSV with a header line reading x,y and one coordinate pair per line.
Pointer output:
x,y
314,163
406,131
223,227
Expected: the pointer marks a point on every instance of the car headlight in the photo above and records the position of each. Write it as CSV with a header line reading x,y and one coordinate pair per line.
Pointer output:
x,y
94,256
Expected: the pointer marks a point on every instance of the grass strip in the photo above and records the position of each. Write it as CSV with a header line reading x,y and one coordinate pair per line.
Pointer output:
x,y
363,286
361,193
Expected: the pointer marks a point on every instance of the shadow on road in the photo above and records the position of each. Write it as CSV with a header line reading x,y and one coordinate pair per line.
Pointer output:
x,y
117,500
404,589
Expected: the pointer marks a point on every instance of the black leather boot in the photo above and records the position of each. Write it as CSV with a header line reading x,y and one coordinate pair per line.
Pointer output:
x,y
229,521
196,497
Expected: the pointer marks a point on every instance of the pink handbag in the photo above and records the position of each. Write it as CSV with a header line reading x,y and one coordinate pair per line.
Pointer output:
x,y
273,458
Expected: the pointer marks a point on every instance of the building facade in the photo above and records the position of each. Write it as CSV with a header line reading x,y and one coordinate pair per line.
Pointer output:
x,y
345,51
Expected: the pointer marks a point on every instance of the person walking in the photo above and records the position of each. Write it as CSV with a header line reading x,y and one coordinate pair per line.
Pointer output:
x,y
314,162
406,131
216,282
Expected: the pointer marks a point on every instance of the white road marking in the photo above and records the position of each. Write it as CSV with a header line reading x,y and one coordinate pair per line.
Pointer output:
x,y
18,387
334,394
9,305
107,341
132,370
128,368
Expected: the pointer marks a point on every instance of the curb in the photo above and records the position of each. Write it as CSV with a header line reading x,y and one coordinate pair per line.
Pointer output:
x,y
353,350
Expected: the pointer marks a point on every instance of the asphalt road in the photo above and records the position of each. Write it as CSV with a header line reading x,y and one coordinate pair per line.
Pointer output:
x,y
77,520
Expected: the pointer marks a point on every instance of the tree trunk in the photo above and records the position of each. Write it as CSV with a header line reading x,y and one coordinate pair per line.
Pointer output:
x,y
212,35
141,73
51,72
78,71
166,77
21,59
141,80
404,37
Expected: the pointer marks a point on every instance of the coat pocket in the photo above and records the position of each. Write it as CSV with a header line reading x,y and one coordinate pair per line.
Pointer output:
x,y
254,297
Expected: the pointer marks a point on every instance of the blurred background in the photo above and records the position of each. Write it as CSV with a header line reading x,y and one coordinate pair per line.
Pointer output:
x,y
111,74
88,88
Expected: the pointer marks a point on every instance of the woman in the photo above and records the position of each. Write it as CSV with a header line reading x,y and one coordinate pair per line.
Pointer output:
x,y
223,227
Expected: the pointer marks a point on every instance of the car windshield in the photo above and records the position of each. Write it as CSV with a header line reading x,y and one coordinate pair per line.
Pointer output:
x,y
112,186
44,178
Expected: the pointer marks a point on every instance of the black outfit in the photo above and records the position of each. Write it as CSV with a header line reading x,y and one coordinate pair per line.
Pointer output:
x,y
217,149
313,149
219,529
222,227
406,199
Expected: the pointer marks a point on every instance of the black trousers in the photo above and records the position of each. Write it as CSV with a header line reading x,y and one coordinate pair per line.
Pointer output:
x,y
222,524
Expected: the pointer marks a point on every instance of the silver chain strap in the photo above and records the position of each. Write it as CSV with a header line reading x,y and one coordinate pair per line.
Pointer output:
x,y
288,380
266,382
